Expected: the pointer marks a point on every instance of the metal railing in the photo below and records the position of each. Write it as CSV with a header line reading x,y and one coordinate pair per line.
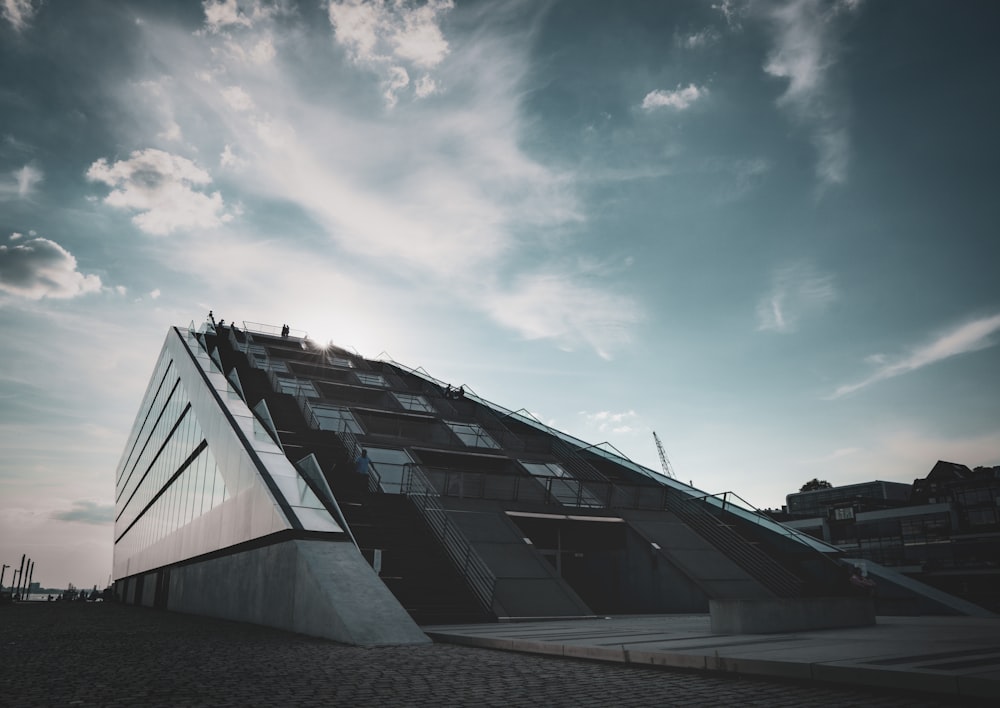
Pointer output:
x,y
592,494
717,505
472,567
730,501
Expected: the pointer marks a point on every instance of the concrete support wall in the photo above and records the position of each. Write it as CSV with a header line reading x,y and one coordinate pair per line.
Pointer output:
x,y
790,614
320,588
526,584
653,584
148,590
705,565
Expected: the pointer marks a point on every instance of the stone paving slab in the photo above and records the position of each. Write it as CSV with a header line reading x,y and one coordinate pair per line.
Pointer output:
x,y
69,654
951,656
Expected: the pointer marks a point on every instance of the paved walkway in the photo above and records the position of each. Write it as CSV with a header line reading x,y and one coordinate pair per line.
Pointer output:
x,y
948,656
59,654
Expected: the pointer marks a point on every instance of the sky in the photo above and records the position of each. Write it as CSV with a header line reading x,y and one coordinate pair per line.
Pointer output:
x,y
766,230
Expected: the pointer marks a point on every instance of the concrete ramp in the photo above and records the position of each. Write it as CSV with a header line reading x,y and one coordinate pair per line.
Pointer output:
x,y
703,563
526,584
896,593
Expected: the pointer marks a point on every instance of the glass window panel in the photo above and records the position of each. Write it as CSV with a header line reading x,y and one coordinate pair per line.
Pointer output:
x,y
563,486
336,418
296,387
472,435
412,402
388,464
369,379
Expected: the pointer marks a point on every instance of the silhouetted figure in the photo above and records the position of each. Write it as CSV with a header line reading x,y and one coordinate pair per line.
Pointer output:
x,y
284,330
362,468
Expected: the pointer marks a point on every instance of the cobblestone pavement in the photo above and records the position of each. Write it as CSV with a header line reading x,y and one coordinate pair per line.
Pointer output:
x,y
60,654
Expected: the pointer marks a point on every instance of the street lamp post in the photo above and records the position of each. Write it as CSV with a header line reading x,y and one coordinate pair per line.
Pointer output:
x,y
20,576
31,574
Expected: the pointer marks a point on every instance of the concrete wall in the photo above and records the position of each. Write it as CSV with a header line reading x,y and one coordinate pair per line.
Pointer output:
x,y
527,585
759,616
320,588
653,584
701,562
148,590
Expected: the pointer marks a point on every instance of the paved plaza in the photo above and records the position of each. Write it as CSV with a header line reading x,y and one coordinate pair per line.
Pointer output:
x,y
59,654
956,656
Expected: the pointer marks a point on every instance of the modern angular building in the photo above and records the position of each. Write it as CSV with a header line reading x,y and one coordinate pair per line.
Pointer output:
x,y
238,496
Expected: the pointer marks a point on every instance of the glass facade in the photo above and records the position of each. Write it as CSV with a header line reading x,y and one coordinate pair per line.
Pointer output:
x,y
196,476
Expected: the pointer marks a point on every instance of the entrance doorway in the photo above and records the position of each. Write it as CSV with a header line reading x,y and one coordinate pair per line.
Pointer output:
x,y
588,552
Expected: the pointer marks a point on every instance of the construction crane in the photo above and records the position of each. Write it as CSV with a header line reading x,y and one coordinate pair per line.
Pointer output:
x,y
664,462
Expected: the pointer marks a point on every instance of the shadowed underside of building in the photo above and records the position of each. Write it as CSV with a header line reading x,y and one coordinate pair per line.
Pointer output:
x,y
237,496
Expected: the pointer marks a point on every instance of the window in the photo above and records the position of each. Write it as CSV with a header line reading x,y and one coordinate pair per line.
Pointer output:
x,y
844,513
340,361
371,379
472,435
561,484
389,464
413,403
982,517
336,418
296,387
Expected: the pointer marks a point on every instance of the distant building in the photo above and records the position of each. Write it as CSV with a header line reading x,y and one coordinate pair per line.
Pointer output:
x,y
239,495
875,494
947,534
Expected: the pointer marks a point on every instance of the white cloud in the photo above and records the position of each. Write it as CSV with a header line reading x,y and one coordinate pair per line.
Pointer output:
x,y
237,98
388,37
161,187
87,512
222,14
733,11
443,200
18,12
425,86
231,160
155,294
22,183
172,132
805,50
556,306
608,422
969,337
40,268
679,99
696,40
396,80
797,290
